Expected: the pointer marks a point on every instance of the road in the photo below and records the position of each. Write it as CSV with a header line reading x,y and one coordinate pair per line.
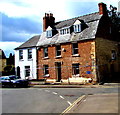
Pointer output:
x,y
44,100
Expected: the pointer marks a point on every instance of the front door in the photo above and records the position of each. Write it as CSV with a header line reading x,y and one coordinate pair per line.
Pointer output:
x,y
58,70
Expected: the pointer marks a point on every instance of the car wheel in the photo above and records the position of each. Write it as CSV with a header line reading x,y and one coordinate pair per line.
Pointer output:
x,y
14,85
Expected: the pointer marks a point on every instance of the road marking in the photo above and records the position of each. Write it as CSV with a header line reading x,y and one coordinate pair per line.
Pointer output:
x,y
69,103
62,97
47,90
54,93
72,105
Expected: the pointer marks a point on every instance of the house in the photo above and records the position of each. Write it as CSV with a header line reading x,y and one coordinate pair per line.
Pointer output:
x,y
3,61
77,49
26,59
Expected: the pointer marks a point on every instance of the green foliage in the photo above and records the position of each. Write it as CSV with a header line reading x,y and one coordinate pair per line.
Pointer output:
x,y
9,70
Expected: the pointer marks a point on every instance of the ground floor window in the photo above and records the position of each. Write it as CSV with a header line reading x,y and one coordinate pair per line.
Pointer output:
x,y
46,71
27,71
75,68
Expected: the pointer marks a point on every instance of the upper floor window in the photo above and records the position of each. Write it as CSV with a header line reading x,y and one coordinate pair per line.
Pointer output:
x,y
46,52
77,28
58,50
64,31
29,53
20,54
49,33
75,48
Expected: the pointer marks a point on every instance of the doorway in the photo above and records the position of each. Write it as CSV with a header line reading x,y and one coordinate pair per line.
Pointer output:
x,y
58,70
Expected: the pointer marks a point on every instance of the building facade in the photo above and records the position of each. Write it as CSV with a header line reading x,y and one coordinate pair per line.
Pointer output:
x,y
79,49
3,61
25,59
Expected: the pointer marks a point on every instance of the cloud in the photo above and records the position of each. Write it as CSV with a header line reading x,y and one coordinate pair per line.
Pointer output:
x,y
8,47
19,29
22,19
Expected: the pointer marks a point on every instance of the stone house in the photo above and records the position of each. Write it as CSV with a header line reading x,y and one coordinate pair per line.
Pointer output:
x,y
80,48
3,61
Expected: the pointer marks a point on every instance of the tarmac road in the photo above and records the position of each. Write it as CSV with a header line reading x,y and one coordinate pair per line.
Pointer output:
x,y
44,100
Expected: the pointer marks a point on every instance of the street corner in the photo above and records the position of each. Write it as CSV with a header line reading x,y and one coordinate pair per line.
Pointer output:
x,y
97,103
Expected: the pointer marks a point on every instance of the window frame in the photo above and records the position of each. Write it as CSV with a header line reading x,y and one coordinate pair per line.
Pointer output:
x,y
45,70
49,33
64,31
20,54
29,54
113,55
45,52
75,69
74,49
77,28
27,71
58,50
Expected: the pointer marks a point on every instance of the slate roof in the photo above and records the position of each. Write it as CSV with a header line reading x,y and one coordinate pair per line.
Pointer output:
x,y
87,18
92,21
32,42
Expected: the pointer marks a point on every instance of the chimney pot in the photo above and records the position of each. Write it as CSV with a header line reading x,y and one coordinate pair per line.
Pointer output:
x,y
48,20
51,14
102,8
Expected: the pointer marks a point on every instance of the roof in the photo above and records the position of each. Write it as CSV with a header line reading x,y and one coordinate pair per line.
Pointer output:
x,y
87,18
92,21
32,42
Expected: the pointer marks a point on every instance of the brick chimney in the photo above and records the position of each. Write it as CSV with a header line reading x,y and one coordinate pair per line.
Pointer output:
x,y
102,9
48,20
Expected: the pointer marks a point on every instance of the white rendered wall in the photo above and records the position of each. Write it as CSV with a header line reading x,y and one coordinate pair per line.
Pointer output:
x,y
26,62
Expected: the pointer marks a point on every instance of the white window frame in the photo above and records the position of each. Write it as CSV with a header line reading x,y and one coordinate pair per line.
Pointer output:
x,y
49,33
27,71
45,52
29,54
20,54
58,49
74,48
77,28
75,69
46,70
64,31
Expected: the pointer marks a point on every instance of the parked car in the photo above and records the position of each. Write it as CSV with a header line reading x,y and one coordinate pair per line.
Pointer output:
x,y
13,81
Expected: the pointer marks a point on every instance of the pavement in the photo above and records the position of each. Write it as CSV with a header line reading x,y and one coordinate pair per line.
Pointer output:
x,y
97,103
105,85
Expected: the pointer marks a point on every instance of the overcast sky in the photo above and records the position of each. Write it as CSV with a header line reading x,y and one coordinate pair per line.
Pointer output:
x,y
22,19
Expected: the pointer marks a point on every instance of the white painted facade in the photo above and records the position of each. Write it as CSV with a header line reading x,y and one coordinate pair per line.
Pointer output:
x,y
27,62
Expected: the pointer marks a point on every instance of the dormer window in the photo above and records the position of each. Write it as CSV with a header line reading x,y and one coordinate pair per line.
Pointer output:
x,y
49,32
77,26
65,31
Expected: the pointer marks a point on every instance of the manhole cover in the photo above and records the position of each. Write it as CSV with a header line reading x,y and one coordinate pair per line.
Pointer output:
x,y
69,95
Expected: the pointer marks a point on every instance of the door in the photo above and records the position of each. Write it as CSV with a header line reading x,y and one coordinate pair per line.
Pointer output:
x,y
18,71
58,70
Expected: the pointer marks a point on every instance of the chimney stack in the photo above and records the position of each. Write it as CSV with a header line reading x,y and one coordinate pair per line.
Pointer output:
x,y
102,9
48,20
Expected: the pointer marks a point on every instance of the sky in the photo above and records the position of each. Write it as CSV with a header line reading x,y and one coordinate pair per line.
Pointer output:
x,y
22,19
